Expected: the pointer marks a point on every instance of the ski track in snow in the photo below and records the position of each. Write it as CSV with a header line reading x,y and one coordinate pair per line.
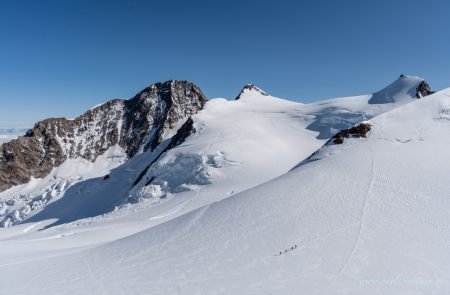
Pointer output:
x,y
31,227
54,237
311,242
369,188
172,211
42,258
176,209
94,277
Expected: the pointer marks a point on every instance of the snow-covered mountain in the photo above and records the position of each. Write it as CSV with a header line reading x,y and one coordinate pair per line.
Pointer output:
x,y
232,147
250,196
134,125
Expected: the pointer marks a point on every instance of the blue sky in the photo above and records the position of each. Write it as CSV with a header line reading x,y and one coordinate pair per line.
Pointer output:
x,y
59,58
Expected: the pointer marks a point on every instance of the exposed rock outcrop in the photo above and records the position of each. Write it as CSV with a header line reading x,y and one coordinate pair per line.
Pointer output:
x,y
401,91
138,124
423,90
250,87
360,130
181,135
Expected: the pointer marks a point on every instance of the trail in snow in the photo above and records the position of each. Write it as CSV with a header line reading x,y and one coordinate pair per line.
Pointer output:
x,y
54,237
172,211
311,242
31,227
94,277
43,257
178,208
369,187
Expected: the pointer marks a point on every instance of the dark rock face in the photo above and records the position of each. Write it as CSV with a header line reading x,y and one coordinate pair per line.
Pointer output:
x,y
159,108
141,123
360,130
423,90
250,87
181,135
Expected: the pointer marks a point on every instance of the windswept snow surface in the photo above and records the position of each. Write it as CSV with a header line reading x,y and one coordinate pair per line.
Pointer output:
x,y
369,216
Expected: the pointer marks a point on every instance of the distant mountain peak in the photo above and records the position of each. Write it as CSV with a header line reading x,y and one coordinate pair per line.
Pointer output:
x,y
251,88
403,89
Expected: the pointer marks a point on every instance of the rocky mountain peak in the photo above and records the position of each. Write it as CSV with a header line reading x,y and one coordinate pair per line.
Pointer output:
x,y
136,125
163,106
404,89
250,88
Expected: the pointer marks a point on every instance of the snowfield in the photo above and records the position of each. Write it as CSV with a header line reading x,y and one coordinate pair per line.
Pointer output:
x,y
241,207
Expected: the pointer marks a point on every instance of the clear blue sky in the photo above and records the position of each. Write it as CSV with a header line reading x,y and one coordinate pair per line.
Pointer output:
x,y
58,58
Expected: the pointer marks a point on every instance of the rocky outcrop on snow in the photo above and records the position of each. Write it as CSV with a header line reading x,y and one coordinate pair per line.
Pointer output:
x,y
250,88
138,124
423,90
358,131
403,90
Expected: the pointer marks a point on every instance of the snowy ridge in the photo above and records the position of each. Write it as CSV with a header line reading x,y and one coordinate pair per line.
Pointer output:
x,y
233,145
399,91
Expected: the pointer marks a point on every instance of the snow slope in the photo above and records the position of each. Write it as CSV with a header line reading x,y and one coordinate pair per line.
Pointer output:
x,y
369,216
22,201
243,143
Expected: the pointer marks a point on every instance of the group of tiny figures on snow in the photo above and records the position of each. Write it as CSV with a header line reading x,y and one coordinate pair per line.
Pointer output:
x,y
287,250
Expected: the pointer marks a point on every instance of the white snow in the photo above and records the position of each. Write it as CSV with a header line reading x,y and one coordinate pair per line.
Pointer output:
x,y
19,202
369,216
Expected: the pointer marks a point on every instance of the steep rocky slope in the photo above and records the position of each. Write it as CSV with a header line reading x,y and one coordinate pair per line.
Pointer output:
x,y
136,125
